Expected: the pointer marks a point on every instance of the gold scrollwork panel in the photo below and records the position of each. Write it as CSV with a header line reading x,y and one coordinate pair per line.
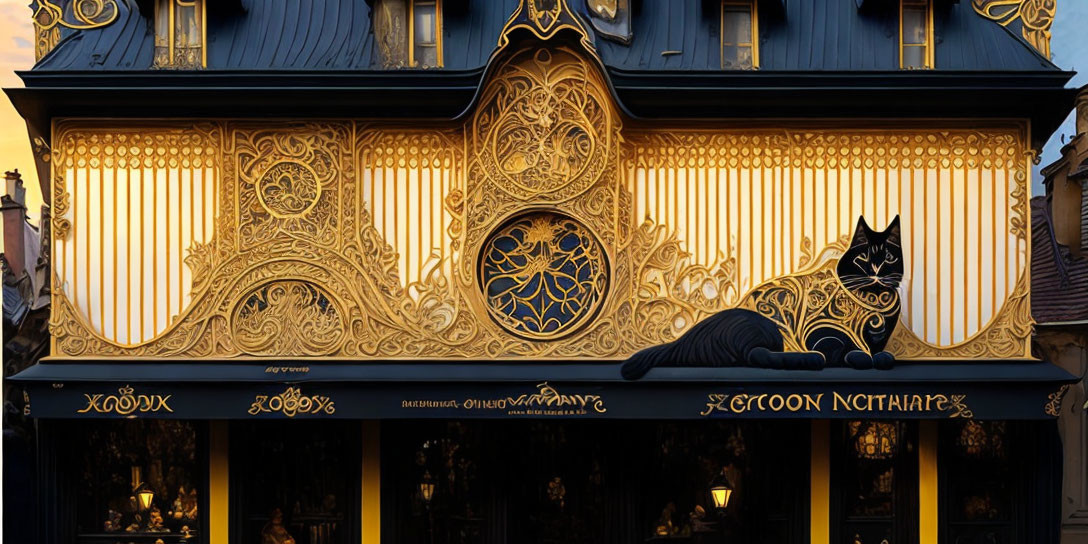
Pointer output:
x,y
539,229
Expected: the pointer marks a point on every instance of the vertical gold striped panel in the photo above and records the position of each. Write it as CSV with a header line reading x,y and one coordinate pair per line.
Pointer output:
x,y
765,204
406,178
140,200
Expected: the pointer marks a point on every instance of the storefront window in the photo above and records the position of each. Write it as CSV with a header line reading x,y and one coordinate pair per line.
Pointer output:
x,y
295,482
874,480
979,483
551,482
140,481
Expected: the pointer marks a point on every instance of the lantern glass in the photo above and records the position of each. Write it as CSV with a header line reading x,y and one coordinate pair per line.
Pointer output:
x,y
427,490
721,495
145,497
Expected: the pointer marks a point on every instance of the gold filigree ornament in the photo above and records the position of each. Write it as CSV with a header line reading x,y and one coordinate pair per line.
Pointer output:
x,y
543,133
314,246
288,189
77,15
1035,16
1053,406
543,274
287,317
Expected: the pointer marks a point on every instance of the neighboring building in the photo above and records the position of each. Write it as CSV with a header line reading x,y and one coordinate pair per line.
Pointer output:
x,y
1059,303
26,339
536,271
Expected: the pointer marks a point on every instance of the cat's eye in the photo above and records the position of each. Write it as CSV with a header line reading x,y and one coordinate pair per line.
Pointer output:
x,y
889,258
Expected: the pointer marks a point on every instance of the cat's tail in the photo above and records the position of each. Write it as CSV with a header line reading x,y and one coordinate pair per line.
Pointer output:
x,y
640,363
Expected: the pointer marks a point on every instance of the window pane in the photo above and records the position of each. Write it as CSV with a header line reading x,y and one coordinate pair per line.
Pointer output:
x,y
424,21
427,56
729,57
914,56
744,57
297,481
914,24
156,460
738,25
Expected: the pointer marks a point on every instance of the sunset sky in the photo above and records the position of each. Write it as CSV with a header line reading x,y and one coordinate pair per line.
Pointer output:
x,y
17,53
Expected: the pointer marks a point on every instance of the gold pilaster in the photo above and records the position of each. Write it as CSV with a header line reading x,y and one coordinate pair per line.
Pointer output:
x,y
219,482
372,483
927,481
820,483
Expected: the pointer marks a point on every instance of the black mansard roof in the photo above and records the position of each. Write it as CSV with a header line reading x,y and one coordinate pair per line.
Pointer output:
x,y
818,58
824,35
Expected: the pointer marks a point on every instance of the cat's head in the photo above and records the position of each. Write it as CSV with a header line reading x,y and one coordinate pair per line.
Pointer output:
x,y
874,260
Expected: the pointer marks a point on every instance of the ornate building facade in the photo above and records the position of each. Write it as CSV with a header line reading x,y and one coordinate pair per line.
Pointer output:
x,y
542,271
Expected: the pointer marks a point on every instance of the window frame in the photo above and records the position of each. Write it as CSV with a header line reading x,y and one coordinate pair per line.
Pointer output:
x,y
753,9
928,56
411,20
171,37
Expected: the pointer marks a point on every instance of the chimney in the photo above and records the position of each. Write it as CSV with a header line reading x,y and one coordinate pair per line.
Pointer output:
x,y
13,209
1082,112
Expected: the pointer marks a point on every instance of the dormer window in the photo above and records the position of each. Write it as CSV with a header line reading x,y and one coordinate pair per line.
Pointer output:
x,y
740,35
915,34
180,34
409,32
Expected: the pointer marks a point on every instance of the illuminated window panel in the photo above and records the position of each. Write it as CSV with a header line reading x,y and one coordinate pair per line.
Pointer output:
x,y
140,201
406,179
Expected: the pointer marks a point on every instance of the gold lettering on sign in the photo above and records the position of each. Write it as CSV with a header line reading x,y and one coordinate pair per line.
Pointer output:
x,y
287,370
547,401
125,403
954,405
291,403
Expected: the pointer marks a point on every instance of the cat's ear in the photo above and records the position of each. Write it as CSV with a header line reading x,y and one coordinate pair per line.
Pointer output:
x,y
891,234
861,233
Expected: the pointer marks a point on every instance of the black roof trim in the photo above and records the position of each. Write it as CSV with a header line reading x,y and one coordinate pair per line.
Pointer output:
x,y
1036,96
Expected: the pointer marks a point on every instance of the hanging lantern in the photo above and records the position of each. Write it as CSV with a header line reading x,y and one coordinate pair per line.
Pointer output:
x,y
721,491
144,495
426,487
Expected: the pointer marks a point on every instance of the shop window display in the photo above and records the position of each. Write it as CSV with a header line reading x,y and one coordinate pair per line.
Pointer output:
x,y
143,483
980,483
875,482
551,482
295,483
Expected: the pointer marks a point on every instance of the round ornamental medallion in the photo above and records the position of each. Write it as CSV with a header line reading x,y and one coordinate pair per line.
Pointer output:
x,y
543,132
288,189
543,274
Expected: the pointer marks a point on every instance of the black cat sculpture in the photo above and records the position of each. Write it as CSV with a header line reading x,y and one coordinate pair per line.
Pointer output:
x,y
839,312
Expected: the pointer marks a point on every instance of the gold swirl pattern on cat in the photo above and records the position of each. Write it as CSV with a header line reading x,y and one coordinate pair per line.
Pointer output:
x,y
804,302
